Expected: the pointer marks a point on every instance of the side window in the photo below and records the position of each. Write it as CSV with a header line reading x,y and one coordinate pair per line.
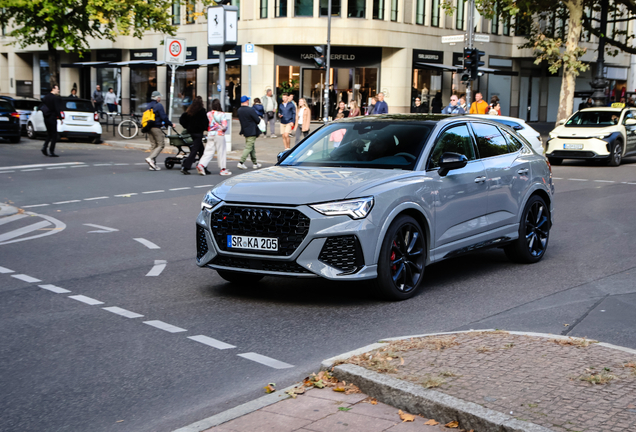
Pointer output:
x,y
490,142
513,141
628,115
456,139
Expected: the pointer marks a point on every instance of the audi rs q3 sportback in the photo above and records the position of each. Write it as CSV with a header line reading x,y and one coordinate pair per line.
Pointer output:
x,y
379,198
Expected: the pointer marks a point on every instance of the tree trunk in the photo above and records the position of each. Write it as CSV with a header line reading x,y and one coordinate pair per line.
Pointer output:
x,y
575,25
54,65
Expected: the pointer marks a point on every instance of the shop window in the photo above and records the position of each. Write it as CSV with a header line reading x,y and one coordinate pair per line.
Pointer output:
x,y
356,9
263,9
335,8
143,81
185,88
108,78
435,13
191,10
45,77
304,8
420,13
426,84
459,17
232,85
378,9
394,10
281,8
494,23
176,12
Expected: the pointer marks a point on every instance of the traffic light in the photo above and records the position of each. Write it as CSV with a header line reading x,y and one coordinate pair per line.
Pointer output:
x,y
472,62
320,56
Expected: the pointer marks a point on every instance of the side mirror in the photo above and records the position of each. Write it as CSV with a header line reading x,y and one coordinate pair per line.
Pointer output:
x,y
450,161
517,127
561,122
282,155
630,122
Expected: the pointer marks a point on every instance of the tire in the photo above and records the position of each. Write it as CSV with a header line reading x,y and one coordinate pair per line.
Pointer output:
x,y
15,140
128,129
31,131
168,164
616,155
97,139
534,233
402,260
555,161
240,278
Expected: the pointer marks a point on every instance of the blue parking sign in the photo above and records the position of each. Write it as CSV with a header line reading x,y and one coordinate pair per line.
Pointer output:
x,y
249,48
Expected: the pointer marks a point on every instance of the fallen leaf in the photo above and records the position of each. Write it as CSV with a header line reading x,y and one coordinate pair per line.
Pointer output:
x,y
295,391
406,417
119,421
370,400
452,424
343,409
431,422
566,325
339,389
319,384
401,361
270,388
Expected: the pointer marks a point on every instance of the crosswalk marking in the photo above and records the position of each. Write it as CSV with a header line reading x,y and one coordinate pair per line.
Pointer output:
x,y
24,230
8,219
267,361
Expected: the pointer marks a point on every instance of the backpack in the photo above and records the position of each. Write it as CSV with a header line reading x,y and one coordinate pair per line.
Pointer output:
x,y
147,120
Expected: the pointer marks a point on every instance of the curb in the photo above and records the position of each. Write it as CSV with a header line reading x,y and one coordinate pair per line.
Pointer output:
x,y
8,210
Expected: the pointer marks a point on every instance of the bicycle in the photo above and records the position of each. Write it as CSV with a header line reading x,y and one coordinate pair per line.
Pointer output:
x,y
128,129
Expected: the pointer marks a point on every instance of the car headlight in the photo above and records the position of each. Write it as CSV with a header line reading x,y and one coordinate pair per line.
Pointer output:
x,y
209,201
357,208
552,135
605,135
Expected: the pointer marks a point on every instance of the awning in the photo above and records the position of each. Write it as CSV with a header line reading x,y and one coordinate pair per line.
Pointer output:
x,y
82,64
438,66
139,63
207,62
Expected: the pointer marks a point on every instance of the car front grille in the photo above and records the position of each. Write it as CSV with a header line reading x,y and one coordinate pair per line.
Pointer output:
x,y
573,154
202,243
259,264
289,226
343,253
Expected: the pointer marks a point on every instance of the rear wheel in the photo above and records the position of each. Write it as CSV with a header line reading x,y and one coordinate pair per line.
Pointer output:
x,y
169,164
31,131
240,278
616,155
402,259
97,139
555,161
534,232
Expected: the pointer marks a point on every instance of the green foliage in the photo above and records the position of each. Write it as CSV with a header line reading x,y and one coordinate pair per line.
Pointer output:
x,y
550,50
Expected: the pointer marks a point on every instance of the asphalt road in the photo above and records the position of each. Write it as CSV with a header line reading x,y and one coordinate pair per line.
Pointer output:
x,y
68,364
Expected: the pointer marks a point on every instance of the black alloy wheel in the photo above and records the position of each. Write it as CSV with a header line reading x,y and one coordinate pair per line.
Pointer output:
x,y
616,156
402,259
534,233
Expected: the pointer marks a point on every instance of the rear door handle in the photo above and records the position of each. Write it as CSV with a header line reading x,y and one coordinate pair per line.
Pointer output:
x,y
481,179
523,171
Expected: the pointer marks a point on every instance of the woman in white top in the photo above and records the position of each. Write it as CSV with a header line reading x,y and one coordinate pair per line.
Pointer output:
x,y
303,119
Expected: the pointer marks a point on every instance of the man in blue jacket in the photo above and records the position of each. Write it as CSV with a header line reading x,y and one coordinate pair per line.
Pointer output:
x,y
156,136
381,107
287,114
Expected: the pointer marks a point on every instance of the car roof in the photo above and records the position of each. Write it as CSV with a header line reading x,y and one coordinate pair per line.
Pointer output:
x,y
604,109
432,119
20,98
500,117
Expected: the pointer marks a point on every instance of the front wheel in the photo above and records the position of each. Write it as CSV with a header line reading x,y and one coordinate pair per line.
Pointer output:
x,y
402,259
616,156
128,129
534,232
240,278
31,131
97,139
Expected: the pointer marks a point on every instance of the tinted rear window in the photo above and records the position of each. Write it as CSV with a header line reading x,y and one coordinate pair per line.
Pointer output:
x,y
6,106
84,106
25,104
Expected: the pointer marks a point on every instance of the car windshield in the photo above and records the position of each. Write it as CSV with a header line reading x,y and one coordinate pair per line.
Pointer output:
x,y
6,106
367,144
593,119
26,104
77,105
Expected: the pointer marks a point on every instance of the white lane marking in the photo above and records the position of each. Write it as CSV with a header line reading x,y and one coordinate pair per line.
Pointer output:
x,y
121,164
267,361
5,172
605,181
151,192
557,178
32,169
35,205
24,230
13,218
103,164
57,168
5,270
55,289
26,278
40,165
164,326
141,163
205,340
157,268
147,243
123,312
202,186
95,198
59,227
630,183
183,188
87,300
102,229
67,202
126,195
80,166
577,179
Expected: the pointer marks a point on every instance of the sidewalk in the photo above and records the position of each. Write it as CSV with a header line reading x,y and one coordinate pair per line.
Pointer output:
x,y
477,380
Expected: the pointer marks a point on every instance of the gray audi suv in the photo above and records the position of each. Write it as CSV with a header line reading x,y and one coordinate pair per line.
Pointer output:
x,y
379,198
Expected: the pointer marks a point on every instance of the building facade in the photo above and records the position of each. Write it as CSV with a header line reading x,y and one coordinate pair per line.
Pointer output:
x,y
389,46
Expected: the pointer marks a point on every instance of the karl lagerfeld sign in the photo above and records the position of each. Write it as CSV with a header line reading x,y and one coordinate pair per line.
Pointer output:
x,y
341,56
425,56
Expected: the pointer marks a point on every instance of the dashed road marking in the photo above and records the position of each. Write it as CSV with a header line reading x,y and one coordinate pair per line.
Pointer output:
x,y
121,164
159,266
66,202
147,243
32,169
102,229
4,172
267,361
141,163
165,326
202,186
13,218
40,165
80,166
152,192
205,340
35,205
26,278
5,270
103,164
87,300
181,188
95,198
125,195
123,312
557,178
605,181
57,168
574,179
55,289
24,230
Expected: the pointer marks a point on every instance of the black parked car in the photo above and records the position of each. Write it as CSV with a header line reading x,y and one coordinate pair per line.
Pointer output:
x,y
9,122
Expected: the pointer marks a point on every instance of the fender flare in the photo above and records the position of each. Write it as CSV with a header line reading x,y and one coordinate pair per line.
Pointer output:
x,y
536,187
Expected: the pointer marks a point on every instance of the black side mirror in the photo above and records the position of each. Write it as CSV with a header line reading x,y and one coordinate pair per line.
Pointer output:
x,y
517,127
450,161
282,155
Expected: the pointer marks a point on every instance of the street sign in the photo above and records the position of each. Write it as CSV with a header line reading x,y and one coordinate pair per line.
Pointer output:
x,y
481,38
453,38
250,56
175,51
222,27
249,48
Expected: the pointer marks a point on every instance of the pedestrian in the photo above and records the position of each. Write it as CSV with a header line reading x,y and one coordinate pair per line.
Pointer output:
x,y
269,106
249,129
303,119
480,106
98,99
436,104
195,120
462,103
453,107
51,112
342,109
630,102
337,136
156,136
258,107
371,107
291,99
73,93
217,125
111,100
418,108
381,107
287,115
355,109
494,107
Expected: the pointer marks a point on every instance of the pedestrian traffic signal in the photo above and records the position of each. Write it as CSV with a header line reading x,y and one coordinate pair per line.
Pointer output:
x,y
320,56
472,62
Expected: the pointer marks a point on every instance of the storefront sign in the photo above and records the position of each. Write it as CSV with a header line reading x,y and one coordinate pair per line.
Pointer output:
x,y
458,59
149,54
340,56
110,55
191,53
233,53
423,56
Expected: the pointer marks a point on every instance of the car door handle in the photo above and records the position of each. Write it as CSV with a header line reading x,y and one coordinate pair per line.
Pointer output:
x,y
523,171
481,179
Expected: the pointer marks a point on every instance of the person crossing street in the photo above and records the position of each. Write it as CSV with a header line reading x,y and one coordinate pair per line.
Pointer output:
x,y
51,111
249,129
156,136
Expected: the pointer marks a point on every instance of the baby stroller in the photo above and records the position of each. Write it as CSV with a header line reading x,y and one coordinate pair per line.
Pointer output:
x,y
182,142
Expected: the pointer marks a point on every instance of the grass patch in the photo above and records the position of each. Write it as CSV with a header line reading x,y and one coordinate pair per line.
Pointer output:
x,y
577,342
432,382
483,349
447,374
600,378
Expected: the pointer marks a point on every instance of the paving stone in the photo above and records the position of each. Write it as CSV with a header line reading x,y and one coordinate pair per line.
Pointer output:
x,y
416,426
306,407
380,410
263,421
350,422
327,393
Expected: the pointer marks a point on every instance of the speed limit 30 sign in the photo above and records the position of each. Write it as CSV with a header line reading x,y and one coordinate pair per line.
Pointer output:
x,y
175,51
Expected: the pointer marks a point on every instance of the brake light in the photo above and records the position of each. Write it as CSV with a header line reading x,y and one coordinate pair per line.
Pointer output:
x,y
15,114
62,115
95,116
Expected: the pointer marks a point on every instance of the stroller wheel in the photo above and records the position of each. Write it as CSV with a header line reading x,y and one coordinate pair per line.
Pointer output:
x,y
169,164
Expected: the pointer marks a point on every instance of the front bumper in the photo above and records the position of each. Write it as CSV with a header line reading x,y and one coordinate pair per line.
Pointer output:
x,y
334,247
590,148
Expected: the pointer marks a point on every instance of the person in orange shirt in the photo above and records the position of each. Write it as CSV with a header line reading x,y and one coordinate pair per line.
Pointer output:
x,y
480,106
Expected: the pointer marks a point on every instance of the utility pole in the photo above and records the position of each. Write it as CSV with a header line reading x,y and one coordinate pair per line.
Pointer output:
x,y
599,82
326,113
469,36
222,77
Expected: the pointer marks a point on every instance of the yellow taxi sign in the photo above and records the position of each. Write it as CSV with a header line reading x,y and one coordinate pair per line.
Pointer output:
x,y
618,105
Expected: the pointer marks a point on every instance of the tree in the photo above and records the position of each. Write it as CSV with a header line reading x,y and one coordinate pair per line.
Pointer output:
x,y
71,24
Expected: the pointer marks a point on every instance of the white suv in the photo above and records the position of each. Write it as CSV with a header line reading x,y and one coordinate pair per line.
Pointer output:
x,y
606,134
79,120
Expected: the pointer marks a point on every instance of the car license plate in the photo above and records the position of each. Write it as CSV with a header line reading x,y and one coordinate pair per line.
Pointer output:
x,y
4,119
573,146
253,243
79,117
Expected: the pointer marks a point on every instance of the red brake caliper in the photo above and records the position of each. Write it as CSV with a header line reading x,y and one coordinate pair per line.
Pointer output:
x,y
393,267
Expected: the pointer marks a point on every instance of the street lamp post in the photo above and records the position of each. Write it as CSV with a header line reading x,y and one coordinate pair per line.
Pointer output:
x,y
328,62
600,82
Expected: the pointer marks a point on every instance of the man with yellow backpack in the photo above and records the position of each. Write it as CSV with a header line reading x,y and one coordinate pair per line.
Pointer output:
x,y
152,120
